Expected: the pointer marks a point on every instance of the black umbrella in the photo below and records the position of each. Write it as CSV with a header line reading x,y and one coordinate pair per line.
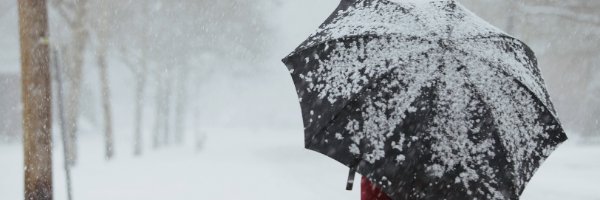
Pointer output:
x,y
424,99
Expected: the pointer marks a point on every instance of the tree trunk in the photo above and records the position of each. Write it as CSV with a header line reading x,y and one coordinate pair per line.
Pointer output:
x,y
140,84
159,111
102,35
167,108
56,62
108,135
181,101
75,76
200,137
35,74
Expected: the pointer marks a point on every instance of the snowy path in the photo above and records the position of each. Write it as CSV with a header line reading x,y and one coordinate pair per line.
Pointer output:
x,y
242,164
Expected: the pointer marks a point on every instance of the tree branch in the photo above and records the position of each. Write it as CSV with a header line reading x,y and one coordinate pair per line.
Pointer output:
x,y
65,16
561,12
69,5
126,61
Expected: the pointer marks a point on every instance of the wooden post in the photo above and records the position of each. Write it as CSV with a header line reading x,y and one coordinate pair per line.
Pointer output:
x,y
35,76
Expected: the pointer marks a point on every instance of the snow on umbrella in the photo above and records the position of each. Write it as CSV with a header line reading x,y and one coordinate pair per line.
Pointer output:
x,y
424,99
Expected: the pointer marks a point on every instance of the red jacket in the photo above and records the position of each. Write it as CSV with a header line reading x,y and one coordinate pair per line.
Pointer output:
x,y
368,191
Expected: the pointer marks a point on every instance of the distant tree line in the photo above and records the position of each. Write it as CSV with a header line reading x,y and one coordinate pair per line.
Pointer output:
x,y
168,45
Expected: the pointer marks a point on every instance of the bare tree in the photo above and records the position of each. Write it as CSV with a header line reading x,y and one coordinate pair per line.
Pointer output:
x,y
132,34
140,78
167,107
56,62
162,40
202,28
139,68
160,114
102,15
108,136
36,86
182,82
73,12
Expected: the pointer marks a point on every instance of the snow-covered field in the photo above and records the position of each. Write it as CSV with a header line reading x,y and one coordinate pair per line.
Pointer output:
x,y
254,164
234,164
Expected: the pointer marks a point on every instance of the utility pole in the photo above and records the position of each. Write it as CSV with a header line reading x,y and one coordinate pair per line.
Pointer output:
x,y
36,86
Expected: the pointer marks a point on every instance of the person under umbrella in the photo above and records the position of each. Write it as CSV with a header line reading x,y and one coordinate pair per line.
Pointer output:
x,y
425,100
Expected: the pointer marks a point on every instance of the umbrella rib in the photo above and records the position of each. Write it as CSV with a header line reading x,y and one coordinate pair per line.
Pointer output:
x,y
500,147
547,107
519,81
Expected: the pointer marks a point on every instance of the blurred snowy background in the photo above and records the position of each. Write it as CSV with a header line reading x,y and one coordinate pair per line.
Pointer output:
x,y
200,106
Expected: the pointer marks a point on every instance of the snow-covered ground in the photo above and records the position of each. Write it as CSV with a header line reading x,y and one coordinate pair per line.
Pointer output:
x,y
254,164
572,172
234,164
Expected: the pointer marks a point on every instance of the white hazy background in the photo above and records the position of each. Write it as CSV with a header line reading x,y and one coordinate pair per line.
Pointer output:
x,y
243,132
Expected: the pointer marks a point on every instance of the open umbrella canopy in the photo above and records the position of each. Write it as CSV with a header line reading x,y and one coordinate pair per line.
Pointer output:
x,y
424,99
